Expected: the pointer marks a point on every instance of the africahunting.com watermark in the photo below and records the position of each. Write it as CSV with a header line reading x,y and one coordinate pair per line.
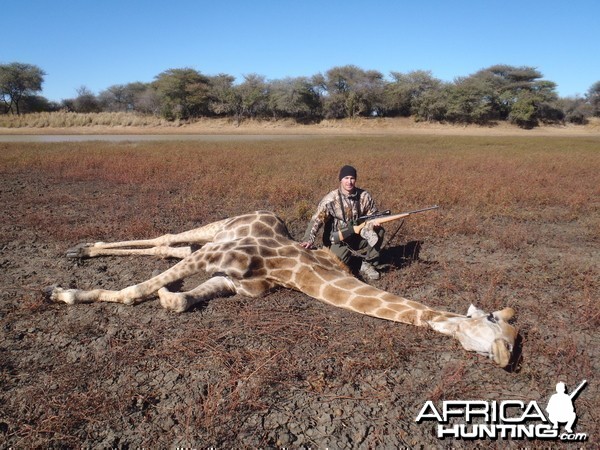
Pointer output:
x,y
507,419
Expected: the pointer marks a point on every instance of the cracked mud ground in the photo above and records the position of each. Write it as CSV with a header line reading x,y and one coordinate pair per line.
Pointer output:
x,y
282,370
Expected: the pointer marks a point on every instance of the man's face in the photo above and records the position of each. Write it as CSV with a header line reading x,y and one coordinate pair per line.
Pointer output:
x,y
347,184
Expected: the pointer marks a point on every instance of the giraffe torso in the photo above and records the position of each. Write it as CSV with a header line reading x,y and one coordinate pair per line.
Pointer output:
x,y
257,253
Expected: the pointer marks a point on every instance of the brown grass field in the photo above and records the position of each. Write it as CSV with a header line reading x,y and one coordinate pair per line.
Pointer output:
x,y
519,226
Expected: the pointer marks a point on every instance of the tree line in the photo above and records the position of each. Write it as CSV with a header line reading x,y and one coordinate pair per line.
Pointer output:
x,y
519,95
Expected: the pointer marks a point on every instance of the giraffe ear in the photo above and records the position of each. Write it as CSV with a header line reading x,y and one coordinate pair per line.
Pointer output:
x,y
505,314
475,312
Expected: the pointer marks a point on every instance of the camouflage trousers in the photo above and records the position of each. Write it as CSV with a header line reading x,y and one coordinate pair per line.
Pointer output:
x,y
349,250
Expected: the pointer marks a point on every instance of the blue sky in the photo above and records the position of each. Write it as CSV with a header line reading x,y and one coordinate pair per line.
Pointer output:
x,y
98,44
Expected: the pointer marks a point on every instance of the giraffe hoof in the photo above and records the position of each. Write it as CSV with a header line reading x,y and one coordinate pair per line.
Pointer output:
x,y
79,251
56,294
48,291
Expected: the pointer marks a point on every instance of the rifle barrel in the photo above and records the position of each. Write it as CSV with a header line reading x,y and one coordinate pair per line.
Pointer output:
x,y
404,214
421,210
577,389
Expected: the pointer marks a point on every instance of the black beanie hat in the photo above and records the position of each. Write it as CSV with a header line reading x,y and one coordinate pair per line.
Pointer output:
x,y
347,171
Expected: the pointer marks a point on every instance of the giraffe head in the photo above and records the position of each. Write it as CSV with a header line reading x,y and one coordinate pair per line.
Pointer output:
x,y
488,334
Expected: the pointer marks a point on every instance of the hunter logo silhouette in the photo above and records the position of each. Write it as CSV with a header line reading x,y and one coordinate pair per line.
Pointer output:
x,y
506,419
560,406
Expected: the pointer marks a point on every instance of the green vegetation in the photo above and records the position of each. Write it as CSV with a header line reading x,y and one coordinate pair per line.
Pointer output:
x,y
497,93
18,84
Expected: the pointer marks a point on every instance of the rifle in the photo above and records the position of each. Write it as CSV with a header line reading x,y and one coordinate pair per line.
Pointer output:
x,y
577,389
362,219
375,219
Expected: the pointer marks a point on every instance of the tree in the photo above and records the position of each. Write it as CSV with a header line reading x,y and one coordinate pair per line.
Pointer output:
x,y
433,103
122,97
533,103
522,89
294,97
251,97
37,103
523,111
593,97
113,98
222,98
404,93
575,109
497,93
183,93
353,92
469,101
86,101
18,80
148,101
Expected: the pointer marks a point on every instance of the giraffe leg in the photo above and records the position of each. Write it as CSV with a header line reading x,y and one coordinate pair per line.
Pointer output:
x,y
200,236
130,295
218,286
162,251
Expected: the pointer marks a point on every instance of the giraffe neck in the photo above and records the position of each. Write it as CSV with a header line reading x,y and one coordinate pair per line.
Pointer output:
x,y
341,289
365,299
320,275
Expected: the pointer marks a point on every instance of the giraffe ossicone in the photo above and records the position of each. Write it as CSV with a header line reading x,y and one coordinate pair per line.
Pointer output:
x,y
253,253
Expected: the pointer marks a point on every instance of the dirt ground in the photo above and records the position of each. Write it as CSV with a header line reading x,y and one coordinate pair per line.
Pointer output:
x,y
283,370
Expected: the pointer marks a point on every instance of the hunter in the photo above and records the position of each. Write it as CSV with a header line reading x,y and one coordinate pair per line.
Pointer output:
x,y
340,210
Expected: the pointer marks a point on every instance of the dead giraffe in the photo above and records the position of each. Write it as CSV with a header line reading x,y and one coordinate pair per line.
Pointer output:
x,y
253,253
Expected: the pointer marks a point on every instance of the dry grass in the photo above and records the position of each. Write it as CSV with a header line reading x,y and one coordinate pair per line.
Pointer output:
x,y
134,123
497,189
65,119
518,226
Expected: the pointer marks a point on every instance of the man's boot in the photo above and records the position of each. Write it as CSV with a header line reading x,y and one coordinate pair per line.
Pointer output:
x,y
368,271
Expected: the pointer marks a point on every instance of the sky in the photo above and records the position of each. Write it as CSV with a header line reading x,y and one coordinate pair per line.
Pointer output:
x,y
100,43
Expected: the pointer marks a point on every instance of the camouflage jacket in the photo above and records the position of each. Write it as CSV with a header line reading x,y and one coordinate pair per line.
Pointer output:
x,y
336,210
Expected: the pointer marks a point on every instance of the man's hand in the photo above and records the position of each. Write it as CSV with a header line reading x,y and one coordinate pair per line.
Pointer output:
x,y
307,245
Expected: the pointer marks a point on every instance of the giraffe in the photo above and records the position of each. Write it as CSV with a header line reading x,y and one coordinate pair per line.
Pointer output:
x,y
253,253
